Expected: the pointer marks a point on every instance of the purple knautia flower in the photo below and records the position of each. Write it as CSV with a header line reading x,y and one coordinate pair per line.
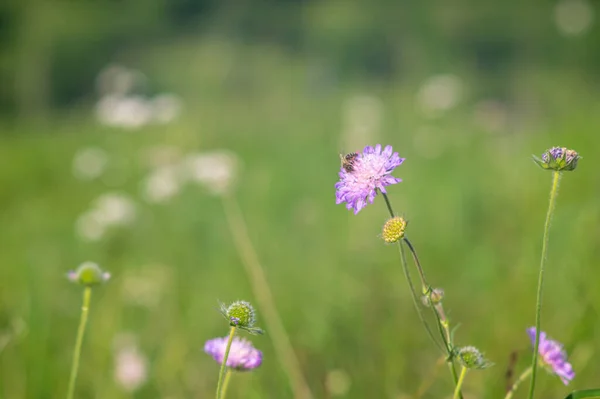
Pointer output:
x,y
553,356
242,355
369,171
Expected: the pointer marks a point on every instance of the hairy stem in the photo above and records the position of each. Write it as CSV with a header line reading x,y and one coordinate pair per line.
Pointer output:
x,y
224,363
226,383
461,379
87,295
538,309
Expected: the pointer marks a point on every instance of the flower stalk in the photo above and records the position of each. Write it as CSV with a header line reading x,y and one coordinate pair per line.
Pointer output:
x,y
226,380
87,295
224,363
427,290
461,379
556,175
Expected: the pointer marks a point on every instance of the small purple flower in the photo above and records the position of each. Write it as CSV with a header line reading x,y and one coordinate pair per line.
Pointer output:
x,y
242,355
371,170
553,356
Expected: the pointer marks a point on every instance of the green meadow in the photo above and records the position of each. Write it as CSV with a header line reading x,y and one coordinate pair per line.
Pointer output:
x,y
474,200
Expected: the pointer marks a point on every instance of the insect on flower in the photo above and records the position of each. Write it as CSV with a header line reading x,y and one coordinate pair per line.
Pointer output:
x,y
348,161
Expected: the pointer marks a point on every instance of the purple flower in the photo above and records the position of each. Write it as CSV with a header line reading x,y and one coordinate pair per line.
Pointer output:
x,y
369,171
553,356
242,355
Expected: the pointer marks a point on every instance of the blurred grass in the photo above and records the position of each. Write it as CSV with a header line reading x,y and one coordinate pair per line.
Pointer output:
x,y
476,213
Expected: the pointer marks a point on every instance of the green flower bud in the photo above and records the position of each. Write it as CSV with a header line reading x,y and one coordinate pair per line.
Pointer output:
x,y
241,314
558,159
88,274
471,358
393,229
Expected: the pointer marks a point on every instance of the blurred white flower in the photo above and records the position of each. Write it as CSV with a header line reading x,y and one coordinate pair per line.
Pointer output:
x,y
131,365
362,118
129,112
115,209
337,382
89,163
163,183
438,94
121,105
89,226
573,17
216,170
110,209
165,108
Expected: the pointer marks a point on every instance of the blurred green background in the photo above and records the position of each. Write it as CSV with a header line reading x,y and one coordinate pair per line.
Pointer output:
x,y
109,110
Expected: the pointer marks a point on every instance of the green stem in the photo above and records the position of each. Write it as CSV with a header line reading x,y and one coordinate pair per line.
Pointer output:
x,y
415,297
443,327
87,295
226,382
224,362
461,379
538,310
518,382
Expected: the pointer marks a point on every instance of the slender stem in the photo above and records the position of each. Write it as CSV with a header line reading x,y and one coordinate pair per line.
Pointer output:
x,y
224,363
225,383
426,286
262,292
518,382
538,309
87,295
389,205
440,317
461,379
413,292
415,297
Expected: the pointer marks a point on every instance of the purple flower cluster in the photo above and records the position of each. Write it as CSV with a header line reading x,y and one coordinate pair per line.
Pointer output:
x,y
242,355
370,171
553,356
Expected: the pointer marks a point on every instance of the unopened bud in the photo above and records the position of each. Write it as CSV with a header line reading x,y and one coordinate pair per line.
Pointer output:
x,y
558,159
470,357
88,274
241,314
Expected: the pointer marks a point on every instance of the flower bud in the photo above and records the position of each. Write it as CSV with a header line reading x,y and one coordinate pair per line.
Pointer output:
x,y
471,358
558,159
242,315
434,297
393,229
88,274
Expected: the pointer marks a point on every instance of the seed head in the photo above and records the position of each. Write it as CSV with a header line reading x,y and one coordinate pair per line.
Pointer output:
x,y
88,274
241,314
470,357
558,158
393,229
